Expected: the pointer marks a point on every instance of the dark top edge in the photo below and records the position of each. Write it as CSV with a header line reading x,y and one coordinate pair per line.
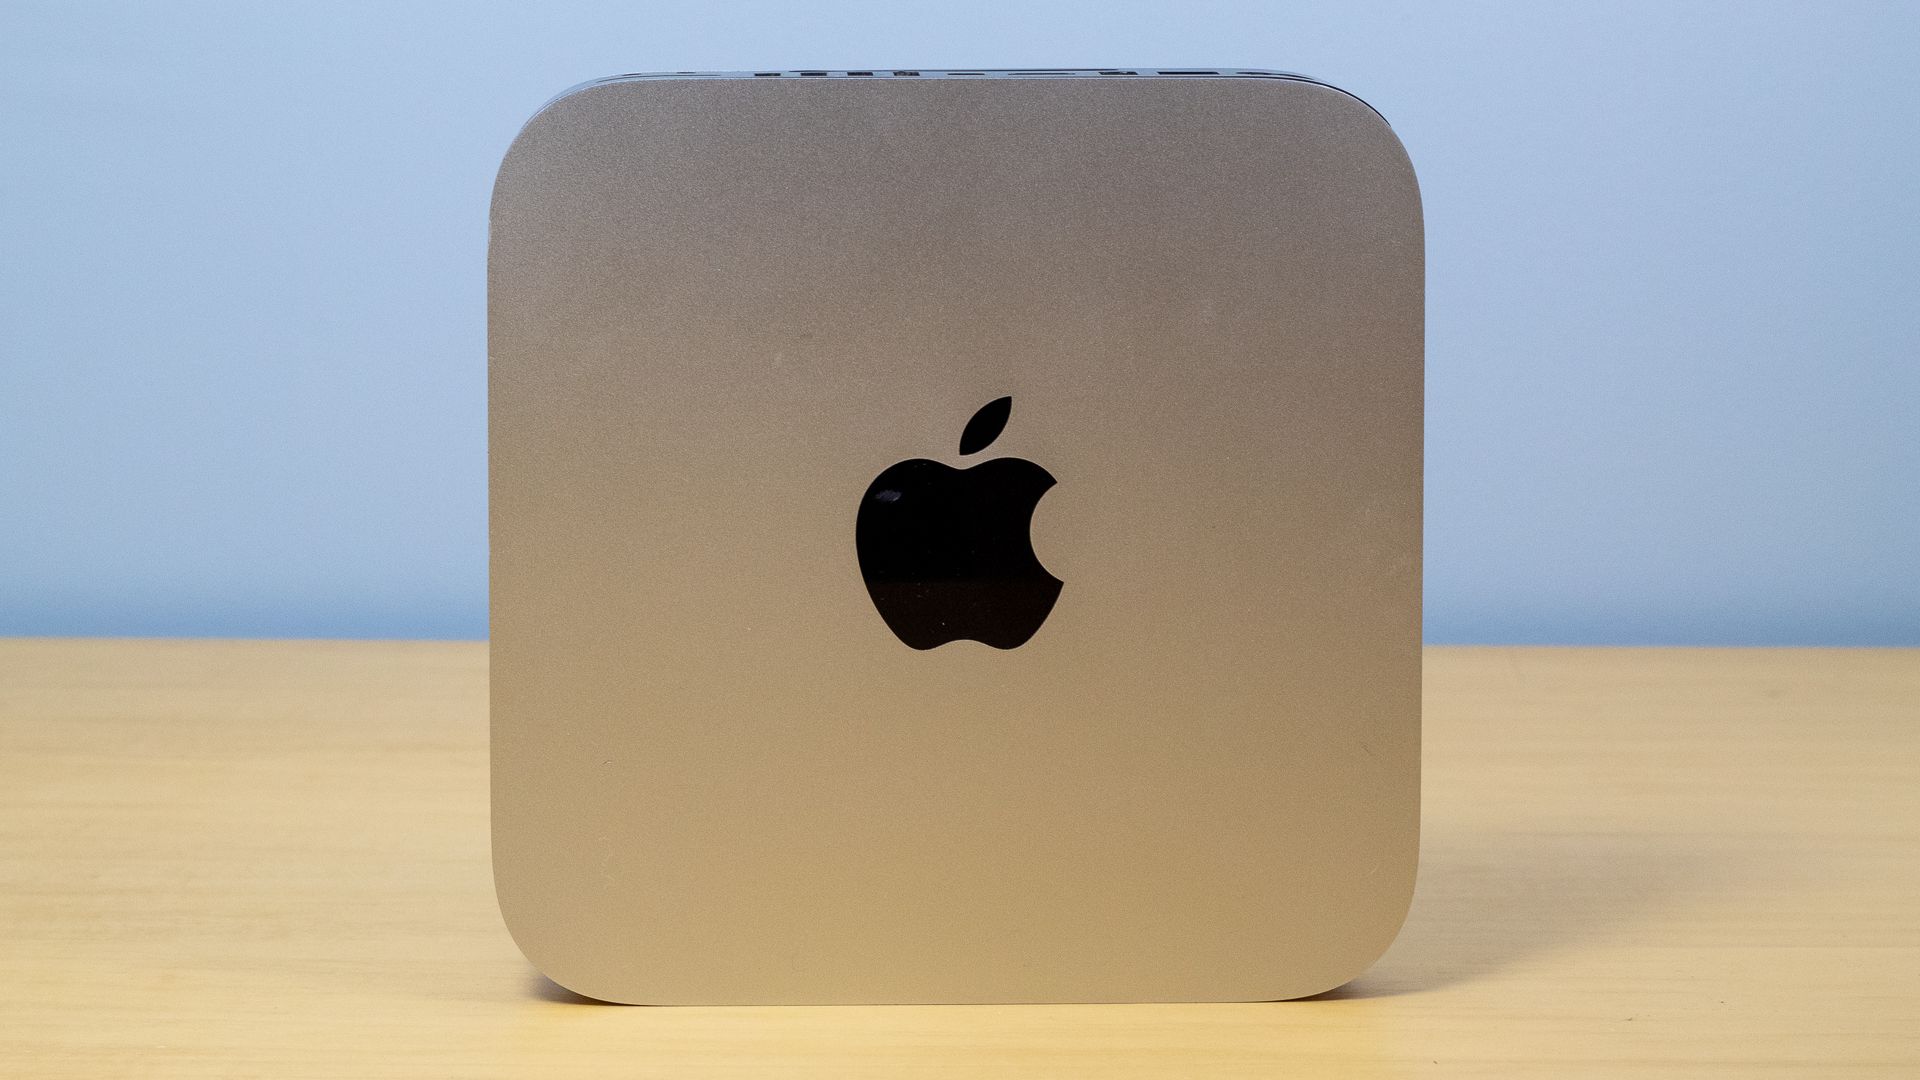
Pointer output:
x,y
961,74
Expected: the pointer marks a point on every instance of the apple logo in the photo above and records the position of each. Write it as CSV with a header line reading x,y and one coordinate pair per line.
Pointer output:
x,y
948,554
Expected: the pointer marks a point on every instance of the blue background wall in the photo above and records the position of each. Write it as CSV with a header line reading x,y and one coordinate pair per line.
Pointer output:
x,y
1673,378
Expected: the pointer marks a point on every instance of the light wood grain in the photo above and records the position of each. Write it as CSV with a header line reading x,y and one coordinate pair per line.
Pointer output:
x,y
270,859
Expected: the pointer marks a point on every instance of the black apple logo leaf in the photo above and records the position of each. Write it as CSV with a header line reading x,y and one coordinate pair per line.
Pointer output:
x,y
947,554
986,426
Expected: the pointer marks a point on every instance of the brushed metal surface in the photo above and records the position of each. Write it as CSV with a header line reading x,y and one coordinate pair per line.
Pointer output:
x,y
719,307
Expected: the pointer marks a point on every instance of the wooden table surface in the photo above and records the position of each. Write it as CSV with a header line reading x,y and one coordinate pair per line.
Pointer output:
x,y
266,859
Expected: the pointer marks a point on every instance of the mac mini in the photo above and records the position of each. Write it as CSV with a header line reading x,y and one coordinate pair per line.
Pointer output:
x,y
956,536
